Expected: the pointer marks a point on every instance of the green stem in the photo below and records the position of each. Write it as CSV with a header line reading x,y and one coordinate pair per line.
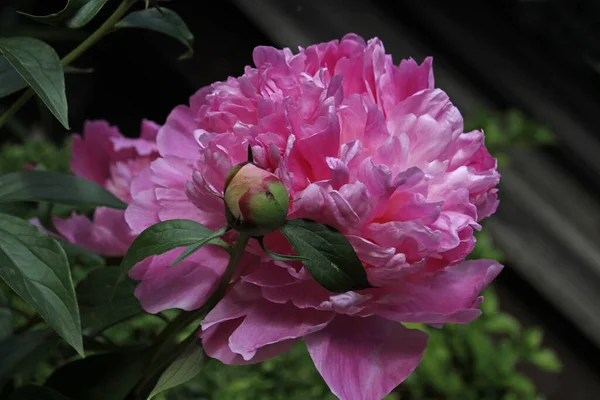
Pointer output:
x,y
105,28
169,334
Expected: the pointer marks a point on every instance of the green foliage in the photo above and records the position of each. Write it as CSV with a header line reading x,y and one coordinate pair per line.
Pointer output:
x,y
509,129
37,151
39,65
328,255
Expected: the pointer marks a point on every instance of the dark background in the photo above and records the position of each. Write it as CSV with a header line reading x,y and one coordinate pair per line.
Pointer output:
x,y
542,57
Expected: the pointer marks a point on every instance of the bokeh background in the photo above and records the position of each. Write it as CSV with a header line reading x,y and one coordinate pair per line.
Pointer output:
x,y
526,71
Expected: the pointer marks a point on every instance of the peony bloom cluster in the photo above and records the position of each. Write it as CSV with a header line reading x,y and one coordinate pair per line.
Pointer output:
x,y
368,147
108,158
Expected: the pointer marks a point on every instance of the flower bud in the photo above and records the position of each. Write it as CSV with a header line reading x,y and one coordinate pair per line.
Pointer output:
x,y
256,201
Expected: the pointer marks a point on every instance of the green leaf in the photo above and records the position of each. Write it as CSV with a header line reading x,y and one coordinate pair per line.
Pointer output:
x,y
6,318
277,256
41,68
330,258
521,384
197,246
532,338
109,376
162,237
56,188
502,323
14,350
546,360
101,304
161,20
80,256
35,266
36,393
10,80
185,367
76,14
85,14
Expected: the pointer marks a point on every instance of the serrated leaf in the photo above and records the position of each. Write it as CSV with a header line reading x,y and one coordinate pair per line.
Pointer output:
x,y
35,266
162,237
76,13
36,393
546,360
56,188
330,258
161,20
39,65
101,304
185,367
198,245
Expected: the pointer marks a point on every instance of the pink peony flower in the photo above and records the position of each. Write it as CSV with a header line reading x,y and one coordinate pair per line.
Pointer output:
x,y
370,148
108,158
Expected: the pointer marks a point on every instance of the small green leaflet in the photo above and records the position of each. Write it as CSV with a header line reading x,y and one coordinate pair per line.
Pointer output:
x,y
165,236
185,367
329,257
197,246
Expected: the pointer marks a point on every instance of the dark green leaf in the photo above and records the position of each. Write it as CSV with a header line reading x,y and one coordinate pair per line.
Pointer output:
x,y
76,14
14,350
35,266
185,367
330,258
198,245
85,14
6,318
162,237
55,187
41,68
101,304
10,80
277,256
101,377
161,20
80,256
36,393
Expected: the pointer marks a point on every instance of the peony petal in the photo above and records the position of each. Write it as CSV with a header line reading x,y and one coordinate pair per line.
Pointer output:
x,y
270,323
92,153
365,358
215,341
186,286
108,234
449,296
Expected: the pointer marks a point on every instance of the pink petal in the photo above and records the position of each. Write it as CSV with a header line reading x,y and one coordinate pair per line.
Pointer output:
x,y
270,323
176,137
449,296
365,358
186,285
215,341
93,153
108,234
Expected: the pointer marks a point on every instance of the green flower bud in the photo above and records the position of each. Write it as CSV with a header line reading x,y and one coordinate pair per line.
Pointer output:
x,y
256,201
